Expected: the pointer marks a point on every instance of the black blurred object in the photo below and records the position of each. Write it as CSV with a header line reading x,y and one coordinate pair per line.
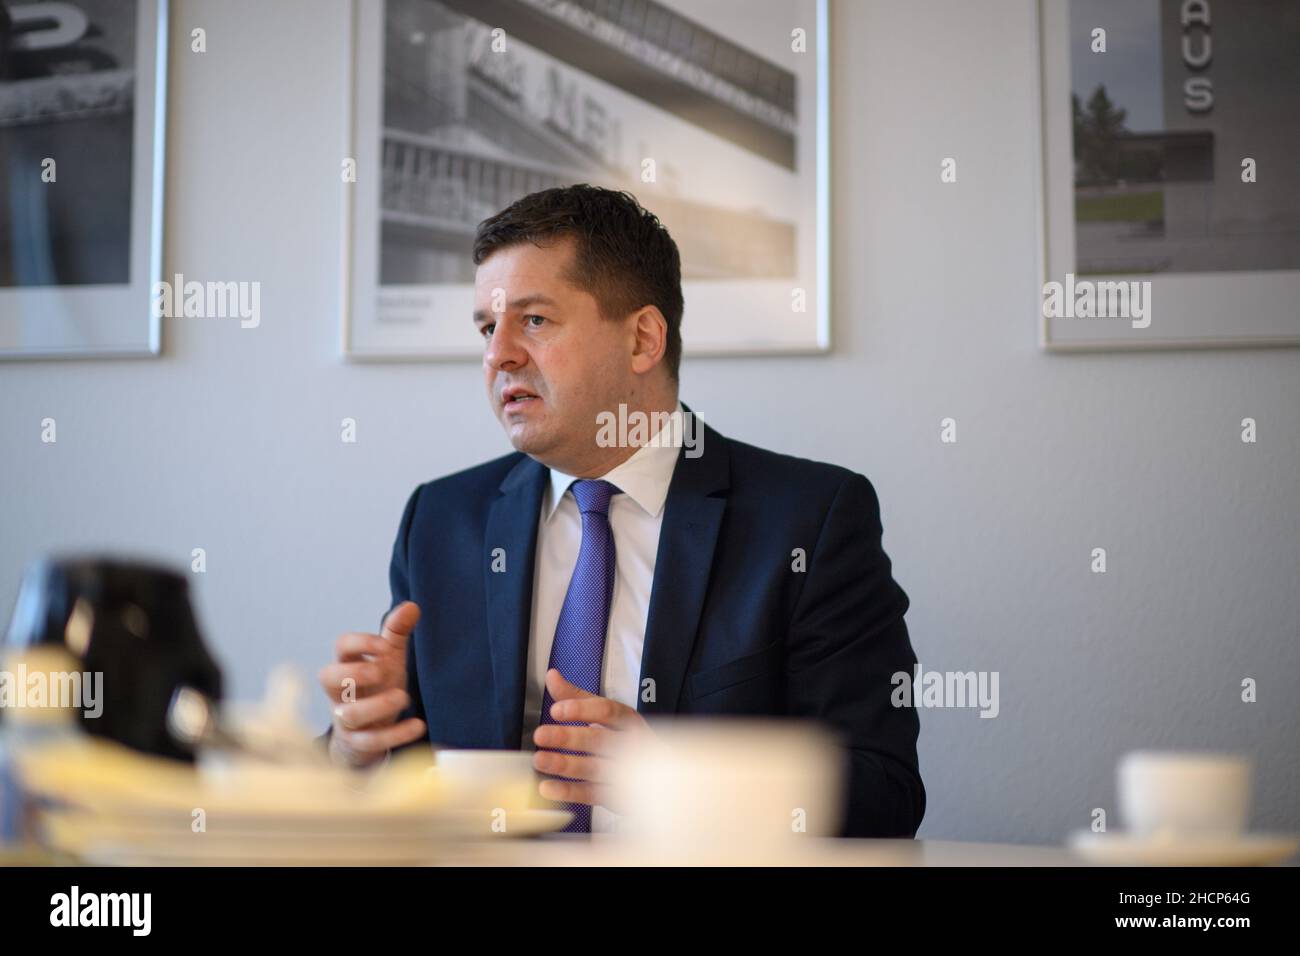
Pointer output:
x,y
131,622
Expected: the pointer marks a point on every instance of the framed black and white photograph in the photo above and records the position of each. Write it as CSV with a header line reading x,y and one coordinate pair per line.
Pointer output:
x,y
1170,181
713,115
82,92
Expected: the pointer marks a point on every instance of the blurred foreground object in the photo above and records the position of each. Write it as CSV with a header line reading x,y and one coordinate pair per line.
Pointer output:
x,y
131,640
729,791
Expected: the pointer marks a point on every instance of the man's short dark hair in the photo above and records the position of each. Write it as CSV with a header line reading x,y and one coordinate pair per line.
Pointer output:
x,y
624,256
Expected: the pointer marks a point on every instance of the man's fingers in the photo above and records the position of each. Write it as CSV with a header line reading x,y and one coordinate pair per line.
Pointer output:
x,y
378,709
367,686
561,689
362,677
573,766
590,740
596,710
572,791
356,646
399,624
371,742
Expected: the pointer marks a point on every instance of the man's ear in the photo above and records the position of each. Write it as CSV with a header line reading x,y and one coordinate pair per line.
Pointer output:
x,y
650,338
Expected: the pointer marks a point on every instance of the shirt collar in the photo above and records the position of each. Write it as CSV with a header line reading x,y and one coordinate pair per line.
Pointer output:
x,y
644,477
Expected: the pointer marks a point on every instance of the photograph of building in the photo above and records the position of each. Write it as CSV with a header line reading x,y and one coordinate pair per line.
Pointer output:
x,y
1165,121
67,109
469,128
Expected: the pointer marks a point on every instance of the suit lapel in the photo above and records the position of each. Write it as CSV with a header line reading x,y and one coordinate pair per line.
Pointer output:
x,y
512,526
692,517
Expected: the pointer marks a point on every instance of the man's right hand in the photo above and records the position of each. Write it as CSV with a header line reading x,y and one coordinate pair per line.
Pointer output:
x,y
367,690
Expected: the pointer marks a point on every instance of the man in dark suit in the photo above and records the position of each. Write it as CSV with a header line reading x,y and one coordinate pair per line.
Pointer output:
x,y
624,561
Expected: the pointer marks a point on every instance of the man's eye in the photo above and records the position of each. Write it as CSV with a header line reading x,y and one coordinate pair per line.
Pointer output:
x,y
540,319
486,330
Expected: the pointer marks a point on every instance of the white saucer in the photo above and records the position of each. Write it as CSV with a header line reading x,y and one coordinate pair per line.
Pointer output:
x,y
389,838
531,821
226,852
1128,849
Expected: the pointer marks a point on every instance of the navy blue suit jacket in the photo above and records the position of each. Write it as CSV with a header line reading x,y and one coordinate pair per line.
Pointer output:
x,y
732,628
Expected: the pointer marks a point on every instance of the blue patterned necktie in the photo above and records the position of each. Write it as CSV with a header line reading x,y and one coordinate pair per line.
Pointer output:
x,y
579,648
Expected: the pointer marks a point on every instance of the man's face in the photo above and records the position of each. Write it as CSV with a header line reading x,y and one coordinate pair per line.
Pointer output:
x,y
551,361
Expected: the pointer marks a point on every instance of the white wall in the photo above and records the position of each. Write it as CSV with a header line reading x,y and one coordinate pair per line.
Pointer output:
x,y
230,440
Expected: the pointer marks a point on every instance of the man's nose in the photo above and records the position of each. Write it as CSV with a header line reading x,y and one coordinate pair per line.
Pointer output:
x,y
504,351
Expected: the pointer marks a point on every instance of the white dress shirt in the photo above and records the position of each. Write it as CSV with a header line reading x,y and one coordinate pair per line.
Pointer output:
x,y
635,517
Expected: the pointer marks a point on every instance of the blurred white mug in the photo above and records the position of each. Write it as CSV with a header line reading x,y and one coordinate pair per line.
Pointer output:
x,y
1184,793
729,789
486,779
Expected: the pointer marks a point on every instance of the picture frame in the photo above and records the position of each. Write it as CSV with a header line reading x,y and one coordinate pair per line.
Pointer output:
x,y
573,97
1197,258
84,133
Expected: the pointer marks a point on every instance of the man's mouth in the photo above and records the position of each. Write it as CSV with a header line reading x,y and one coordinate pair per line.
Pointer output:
x,y
515,399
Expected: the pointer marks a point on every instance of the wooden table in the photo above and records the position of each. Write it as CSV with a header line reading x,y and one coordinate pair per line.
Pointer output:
x,y
562,851
602,851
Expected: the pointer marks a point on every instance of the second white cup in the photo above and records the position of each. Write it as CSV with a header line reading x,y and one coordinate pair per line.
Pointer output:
x,y
1184,793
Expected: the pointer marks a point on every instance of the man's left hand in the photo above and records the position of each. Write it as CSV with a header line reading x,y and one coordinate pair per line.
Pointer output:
x,y
608,727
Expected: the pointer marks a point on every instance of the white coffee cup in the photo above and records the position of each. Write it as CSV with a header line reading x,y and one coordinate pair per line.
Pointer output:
x,y
1184,793
485,779
729,790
